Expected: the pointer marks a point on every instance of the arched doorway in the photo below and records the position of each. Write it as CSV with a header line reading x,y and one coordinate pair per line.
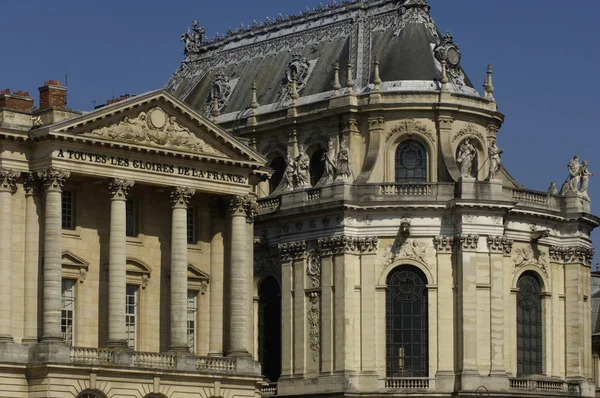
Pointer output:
x,y
269,328
407,347
278,166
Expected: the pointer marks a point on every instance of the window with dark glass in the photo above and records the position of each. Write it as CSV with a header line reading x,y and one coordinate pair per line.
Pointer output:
x,y
192,316
131,312
68,214
411,162
317,166
529,326
67,314
191,225
269,328
130,218
407,348
278,166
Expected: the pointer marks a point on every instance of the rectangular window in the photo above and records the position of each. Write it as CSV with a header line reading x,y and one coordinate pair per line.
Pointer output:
x,y
68,215
192,316
67,315
191,225
131,305
131,218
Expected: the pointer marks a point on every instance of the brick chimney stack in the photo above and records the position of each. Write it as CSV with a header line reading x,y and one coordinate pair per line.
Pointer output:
x,y
19,101
52,95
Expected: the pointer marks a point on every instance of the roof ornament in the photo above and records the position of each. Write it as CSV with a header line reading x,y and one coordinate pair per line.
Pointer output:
x,y
219,94
376,79
336,78
449,52
193,41
350,80
488,87
254,103
297,70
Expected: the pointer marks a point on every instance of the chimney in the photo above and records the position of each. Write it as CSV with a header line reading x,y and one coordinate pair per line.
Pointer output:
x,y
52,95
19,100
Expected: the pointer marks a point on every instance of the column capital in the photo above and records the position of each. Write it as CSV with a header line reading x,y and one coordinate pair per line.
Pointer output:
x,y
251,209
500,244
443,244
8,180
347,244
119,189
244,205
31,184
180,197
53,179
292,250
572,254
467,242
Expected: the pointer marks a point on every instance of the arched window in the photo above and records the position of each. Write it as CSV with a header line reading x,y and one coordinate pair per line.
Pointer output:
x,y
411,162
90,394
529,326
317,166
278,166
407,348
269,328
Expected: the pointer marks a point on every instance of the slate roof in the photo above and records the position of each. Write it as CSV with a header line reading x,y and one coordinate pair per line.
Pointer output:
x,y
401,33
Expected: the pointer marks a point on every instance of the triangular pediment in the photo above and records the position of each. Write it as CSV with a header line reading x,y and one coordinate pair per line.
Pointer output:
x,y
156,122
70,259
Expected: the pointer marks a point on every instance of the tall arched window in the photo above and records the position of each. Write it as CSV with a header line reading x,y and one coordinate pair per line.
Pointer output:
x,y
411,162
317,166
269,328
529,325
407,348
278,166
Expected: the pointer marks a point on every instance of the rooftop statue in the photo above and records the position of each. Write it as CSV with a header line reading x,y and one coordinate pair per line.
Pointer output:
x,y
302,168
585,179
579,177
193,41
343,162
574,173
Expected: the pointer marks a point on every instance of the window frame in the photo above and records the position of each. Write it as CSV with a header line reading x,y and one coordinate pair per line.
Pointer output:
x,y
424,160
132,206
134,315
73,310
539,337
70,224
192,225
192,316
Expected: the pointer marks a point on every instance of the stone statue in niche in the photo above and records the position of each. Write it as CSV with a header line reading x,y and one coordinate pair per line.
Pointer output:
x,y
343,162
302,168
495,161
289,174
329,158
465,157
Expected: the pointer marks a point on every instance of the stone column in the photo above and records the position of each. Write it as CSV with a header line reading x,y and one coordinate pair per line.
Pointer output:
x,y
240,288
32,258
217,257
7,186
445,308
499,247
117,257
53,182
251,212
467,309
180,198
368,270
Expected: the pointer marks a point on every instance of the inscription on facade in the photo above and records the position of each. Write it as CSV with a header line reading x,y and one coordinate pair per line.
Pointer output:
x,y
137,164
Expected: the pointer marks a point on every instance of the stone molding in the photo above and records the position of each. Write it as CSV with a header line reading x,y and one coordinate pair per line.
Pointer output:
x,y
180,197
347,244
467,242
8,180
410,126
314,322
443,244
31,184
470,130
292,250
409,249
527,256
119,189
572,254
500,244
53,179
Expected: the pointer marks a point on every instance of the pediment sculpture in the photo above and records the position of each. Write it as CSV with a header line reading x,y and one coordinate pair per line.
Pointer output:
x,y
157,129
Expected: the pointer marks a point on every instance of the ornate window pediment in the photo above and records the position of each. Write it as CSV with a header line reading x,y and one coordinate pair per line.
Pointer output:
x,y
74,267
197,279
138,272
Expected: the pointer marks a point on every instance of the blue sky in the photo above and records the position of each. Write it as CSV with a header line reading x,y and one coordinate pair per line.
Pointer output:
x,y
544,53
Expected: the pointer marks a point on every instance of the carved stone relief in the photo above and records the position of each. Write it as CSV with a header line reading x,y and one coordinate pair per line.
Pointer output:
x,y
468,242
292,250
313,268
410,249
314,323
347,244
266,259
470,130
572,254
443,244
155,129
410,126
500,244
527,256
